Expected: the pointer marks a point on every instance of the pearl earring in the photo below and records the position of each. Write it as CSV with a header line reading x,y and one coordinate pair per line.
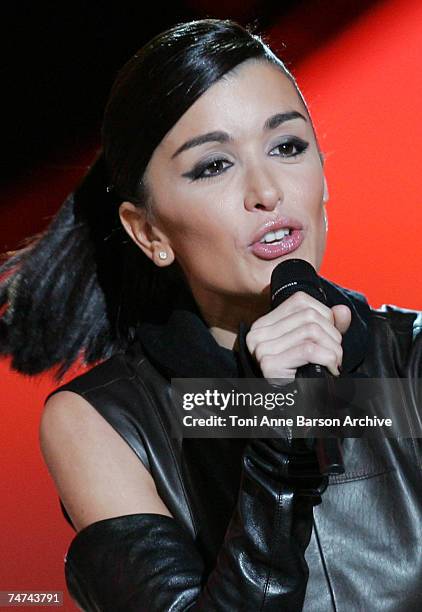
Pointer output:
x,y
162,255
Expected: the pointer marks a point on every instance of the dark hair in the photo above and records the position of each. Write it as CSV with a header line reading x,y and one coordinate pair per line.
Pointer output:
x,y
81,287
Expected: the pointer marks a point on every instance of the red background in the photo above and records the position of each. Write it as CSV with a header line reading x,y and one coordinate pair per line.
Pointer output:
x,y
362,80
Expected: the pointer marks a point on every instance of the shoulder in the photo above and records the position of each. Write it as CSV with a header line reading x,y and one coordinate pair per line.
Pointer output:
x,y
68,402
399,319
115,385
129,393
388,334
101,375
396,334
109,394
395,317
121,375
86,403
91,435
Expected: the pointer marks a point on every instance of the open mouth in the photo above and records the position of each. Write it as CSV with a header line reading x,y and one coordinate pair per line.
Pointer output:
x,y
278,243
276,237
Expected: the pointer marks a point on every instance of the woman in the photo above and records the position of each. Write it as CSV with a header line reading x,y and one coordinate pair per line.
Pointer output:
x,y
159,265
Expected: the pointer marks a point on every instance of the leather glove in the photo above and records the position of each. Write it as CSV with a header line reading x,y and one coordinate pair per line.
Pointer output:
x,y
149,562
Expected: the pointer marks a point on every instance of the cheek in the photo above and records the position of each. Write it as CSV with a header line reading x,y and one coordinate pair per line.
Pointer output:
x,y
321,238
312,187
207,251
322,233
194,232
320,255
312,192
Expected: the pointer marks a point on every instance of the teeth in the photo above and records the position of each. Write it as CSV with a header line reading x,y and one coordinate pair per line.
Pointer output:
x,y
278,235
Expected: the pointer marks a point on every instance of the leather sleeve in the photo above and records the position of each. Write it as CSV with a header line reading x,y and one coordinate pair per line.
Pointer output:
x,y
149,562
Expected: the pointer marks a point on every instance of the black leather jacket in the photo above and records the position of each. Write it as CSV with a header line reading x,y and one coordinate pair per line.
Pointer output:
x,y
365,551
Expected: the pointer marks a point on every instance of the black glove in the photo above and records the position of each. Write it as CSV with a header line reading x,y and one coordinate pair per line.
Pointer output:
x,y
149,562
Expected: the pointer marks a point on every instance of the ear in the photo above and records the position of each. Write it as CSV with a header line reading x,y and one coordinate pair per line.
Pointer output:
x,y
326,195
145,234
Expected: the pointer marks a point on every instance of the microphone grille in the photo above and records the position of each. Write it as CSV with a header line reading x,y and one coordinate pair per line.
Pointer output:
x,y
295,275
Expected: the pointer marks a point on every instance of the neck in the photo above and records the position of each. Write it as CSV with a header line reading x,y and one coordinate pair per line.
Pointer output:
x,y
224,315
224,337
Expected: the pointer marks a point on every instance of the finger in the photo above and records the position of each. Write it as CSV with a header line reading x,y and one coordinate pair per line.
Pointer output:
x,y
307,318
342,317
296,302
308,352
294,321
309,332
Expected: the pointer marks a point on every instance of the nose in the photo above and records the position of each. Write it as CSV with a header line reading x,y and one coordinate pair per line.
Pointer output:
x,y
263,191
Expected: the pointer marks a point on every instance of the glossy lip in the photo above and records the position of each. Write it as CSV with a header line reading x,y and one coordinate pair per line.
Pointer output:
x,y
274,225
280,249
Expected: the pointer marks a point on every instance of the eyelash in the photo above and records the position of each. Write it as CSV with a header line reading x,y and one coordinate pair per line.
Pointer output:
x,y
196,173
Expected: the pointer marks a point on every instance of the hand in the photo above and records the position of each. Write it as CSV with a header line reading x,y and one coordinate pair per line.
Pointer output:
x,y
298,331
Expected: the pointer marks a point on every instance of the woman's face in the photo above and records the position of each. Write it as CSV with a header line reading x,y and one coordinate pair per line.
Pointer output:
x,y
214,199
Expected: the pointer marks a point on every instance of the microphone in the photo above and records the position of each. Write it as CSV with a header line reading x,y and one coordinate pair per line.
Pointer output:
x,y
298,275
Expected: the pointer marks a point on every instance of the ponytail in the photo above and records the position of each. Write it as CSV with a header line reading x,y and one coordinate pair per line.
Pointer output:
x,y
83,285
80,287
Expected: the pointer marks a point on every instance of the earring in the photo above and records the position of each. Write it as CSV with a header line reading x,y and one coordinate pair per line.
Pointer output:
x,y
162,255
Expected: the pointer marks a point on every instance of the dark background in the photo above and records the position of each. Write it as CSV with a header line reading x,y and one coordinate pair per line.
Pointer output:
x,y
59,60
358,64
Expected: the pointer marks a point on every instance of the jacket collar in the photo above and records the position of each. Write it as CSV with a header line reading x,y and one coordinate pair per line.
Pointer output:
x,y
183,347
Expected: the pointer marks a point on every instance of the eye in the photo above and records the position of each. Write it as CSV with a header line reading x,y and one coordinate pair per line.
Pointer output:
x,y
291,147
208,169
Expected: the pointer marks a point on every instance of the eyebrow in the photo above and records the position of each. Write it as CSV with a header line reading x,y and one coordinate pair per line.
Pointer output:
x,y
222,137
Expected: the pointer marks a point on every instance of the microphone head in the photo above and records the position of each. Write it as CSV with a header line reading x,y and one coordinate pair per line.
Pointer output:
x,y
294,275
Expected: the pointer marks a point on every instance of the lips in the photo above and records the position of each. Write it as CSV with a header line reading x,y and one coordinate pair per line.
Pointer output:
x,y
281,247
274,225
